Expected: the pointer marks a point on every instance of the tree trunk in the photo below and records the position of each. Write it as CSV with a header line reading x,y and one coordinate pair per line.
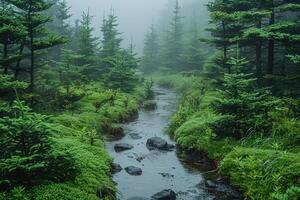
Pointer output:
x,y
271,48
258,52
225,49
5,53
19,60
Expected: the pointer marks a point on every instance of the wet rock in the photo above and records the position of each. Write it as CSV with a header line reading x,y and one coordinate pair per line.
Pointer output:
x,y
171,146
135,136
211,184
165,195
115,168
140,158
159,143
138,198
167,175
135,171
222,190
122,147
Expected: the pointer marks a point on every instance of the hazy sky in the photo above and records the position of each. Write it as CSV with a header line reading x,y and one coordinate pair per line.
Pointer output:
x,y
134,15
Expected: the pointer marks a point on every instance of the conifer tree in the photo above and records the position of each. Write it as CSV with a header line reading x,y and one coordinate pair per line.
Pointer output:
x,y
12,31
244,106
111,41
87,42
173,46
150,60
193,58
38,37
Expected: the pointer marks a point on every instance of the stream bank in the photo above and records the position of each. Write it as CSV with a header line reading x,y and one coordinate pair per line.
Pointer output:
x,y
143,171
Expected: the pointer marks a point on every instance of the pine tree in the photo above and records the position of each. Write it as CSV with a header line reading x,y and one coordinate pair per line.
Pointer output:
x,y
173,45
245,108
122,73
111,41
87,42
224,30
193,58
38,37
150,60
12,32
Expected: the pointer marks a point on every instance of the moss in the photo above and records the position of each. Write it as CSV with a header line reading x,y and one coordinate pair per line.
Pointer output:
x,y
92,161
262,173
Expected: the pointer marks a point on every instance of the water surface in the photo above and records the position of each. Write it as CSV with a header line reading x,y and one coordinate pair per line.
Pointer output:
x,y
161,170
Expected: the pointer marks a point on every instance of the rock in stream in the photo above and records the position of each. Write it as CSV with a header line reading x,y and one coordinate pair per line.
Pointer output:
x,y
159,143
122,147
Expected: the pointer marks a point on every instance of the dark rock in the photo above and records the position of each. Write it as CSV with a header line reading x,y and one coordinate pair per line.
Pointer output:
x,y
122,147
171,146
135,136
140,158
167,175
165,195
211,184
222,190
104,192
157,143
115,168
135,171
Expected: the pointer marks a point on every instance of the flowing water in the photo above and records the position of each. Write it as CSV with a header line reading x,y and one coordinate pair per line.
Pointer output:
x,y
160,169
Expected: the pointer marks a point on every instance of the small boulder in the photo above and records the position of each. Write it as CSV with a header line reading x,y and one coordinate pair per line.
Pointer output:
x,y
165,195
122,147
211,184
134,171
159,143
115,168
135,136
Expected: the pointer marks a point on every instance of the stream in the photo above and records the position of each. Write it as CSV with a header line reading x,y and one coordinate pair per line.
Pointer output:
x,y
185,174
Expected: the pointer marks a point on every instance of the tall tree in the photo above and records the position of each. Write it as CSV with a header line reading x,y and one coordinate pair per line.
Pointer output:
x,y
150,59
38,37
173,44
87,42
12,32
111,40
193,58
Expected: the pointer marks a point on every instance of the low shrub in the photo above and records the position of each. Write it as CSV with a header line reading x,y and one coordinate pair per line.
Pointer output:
x,y
261,174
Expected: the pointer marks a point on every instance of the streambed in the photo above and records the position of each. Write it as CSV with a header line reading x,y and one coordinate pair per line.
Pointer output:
x,y
186,174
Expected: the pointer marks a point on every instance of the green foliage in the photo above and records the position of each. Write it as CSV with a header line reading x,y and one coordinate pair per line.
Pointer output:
x,y
27,153
151,52
9,87
122,74
173,42
263,173
246,108
87,43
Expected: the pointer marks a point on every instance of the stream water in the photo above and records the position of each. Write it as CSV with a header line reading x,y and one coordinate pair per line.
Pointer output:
x,y
161,170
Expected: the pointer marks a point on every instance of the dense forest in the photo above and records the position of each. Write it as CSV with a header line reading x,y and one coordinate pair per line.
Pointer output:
x,y
65,88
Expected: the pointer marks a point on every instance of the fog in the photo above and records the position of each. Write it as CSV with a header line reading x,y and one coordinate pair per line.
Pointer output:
x,y
134,15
